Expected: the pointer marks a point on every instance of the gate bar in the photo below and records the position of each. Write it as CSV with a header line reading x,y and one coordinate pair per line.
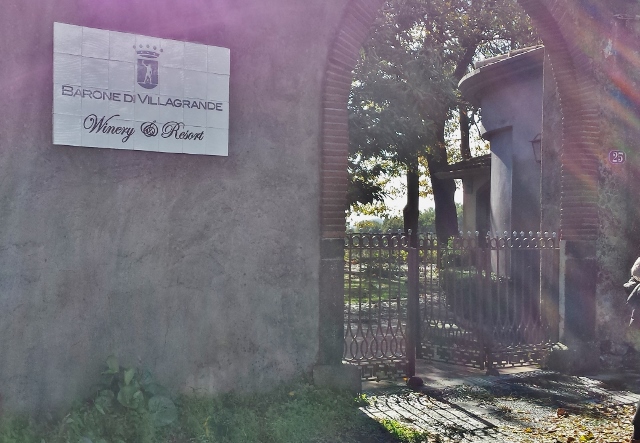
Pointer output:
x,y
413,311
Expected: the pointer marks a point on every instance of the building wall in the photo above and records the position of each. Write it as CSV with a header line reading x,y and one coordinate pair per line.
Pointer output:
x,y
512,116
615,61
551,150
471,185
607,55
203,269
501,179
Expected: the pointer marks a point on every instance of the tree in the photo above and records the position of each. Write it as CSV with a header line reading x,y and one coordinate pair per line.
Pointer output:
x,y
426,221
372,226
404,93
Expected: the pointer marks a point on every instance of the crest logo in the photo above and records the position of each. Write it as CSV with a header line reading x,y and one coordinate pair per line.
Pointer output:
x,y
147,68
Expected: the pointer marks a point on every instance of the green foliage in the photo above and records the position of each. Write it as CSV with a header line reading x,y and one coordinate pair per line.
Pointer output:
x,y
365,287
136,390
308,413
404,433
221,419
426,221
362,400
128,406
393,224
366,181
404,96
296,413
405,83
368,226
16,430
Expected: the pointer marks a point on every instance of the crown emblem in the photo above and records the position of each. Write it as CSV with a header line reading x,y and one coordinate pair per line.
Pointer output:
x,y
147,68
147,51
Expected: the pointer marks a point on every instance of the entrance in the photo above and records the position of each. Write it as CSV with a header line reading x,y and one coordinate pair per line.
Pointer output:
x,y
556,23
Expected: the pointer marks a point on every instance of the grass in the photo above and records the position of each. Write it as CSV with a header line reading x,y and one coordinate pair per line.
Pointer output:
x,y
404,433
298,413
361,287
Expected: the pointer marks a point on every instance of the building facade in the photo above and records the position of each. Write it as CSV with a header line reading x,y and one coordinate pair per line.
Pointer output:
x,y
225,272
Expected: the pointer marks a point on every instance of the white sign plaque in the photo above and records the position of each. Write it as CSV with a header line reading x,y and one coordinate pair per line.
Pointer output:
x,y
127,91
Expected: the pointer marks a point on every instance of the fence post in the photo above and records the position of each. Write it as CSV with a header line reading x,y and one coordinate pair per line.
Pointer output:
x,y
487,298
413,311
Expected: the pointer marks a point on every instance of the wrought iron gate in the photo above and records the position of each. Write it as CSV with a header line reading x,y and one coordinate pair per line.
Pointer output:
x,y
479,301
375,311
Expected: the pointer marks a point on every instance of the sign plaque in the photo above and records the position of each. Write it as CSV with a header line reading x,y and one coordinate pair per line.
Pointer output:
x,y
126,91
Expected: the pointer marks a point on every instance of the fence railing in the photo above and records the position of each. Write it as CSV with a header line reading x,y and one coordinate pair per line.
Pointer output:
x,y
478,300
375,311
489,306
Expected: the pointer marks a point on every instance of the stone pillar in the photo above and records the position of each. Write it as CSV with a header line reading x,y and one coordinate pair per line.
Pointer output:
x,y
578,274
329,371
331,301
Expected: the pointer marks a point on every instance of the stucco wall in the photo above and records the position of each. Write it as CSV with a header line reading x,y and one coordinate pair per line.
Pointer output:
x,y
202,269
512,116
501,180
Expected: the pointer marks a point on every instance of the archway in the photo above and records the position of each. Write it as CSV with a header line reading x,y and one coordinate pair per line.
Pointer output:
x,y
580,135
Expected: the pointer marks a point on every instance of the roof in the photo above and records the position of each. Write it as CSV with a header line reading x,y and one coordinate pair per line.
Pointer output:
x,y
495,70
465,168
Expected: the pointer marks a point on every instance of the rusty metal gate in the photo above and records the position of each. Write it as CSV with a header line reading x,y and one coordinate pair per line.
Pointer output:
x,y
483,301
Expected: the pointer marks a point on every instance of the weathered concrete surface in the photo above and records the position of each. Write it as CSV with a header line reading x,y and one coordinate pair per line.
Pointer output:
x,y
203,269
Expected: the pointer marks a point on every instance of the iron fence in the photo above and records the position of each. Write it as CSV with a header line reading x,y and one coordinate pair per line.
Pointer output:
x,y
484,301
375,311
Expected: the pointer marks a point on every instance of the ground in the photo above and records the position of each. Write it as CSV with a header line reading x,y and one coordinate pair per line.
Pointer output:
x,y
521,405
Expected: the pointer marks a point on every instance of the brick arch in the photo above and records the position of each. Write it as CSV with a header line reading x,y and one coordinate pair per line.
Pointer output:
x,y
581,130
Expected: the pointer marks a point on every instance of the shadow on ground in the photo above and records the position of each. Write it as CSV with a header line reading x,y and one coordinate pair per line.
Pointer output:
x,y
460,404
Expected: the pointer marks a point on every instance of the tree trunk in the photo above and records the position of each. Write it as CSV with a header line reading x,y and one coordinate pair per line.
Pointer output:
x,y
443,190
465,148
411,211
